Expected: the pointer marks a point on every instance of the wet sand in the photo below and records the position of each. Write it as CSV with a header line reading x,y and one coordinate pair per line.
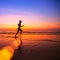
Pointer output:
x,y
31,47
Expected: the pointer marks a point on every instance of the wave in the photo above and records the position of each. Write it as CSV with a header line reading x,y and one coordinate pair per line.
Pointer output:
x,y
31,32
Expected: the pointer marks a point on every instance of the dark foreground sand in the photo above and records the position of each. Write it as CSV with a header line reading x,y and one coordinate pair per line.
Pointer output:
x,y
45,50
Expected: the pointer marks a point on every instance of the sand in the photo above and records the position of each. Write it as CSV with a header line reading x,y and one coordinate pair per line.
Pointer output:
x,y
32,47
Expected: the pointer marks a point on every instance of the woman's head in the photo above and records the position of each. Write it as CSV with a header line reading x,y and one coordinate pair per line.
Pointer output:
x,y
20,21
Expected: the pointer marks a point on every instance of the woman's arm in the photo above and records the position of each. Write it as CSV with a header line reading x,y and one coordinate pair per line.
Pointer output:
x,y
22,25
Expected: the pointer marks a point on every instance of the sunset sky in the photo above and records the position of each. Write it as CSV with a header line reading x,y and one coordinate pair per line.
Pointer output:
x,y
36,15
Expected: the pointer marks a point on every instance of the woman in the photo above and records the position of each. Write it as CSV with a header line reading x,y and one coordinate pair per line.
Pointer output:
x,y
19,28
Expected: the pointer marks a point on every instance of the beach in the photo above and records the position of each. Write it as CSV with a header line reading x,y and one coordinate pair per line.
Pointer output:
x,y
30,47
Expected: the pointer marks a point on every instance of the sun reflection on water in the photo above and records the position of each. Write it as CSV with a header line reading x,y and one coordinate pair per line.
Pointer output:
x,y
7,52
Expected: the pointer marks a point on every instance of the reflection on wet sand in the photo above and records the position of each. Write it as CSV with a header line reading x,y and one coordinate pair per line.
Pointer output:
x,y
6,53
20,46
35,47
7,50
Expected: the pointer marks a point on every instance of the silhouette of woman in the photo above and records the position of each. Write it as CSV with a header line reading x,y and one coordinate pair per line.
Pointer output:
x,y
19,28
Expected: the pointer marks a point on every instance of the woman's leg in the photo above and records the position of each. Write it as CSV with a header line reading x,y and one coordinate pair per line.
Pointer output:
x,y
17,33
21,31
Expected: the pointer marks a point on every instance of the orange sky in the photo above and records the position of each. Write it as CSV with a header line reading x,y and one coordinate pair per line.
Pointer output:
x,y
31,22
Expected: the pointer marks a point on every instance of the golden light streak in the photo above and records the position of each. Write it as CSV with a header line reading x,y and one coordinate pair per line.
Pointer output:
x,y
6,53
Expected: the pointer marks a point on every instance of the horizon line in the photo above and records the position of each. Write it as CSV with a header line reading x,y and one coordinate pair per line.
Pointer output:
x,y
31,32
